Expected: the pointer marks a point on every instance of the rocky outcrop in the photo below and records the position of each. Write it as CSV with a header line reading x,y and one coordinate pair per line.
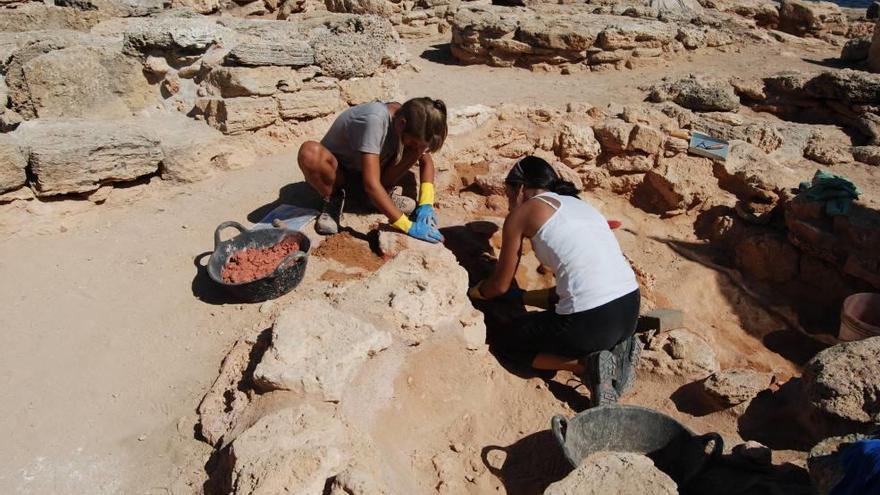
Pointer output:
x,y
570,37
613,472
734,386
804,18
841,386
37,16
844,97
678,184
697,92
12,165
678,352
316,349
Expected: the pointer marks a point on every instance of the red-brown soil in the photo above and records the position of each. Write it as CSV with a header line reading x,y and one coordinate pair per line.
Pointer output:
x,y
253,264
350,251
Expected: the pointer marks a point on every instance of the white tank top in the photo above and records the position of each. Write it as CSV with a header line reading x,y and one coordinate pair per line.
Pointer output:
x,y
577,244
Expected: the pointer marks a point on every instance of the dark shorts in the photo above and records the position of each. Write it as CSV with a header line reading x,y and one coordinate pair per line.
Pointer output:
x,y
574,335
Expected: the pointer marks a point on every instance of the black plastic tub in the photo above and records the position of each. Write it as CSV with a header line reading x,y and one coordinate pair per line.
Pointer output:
x,y
285,278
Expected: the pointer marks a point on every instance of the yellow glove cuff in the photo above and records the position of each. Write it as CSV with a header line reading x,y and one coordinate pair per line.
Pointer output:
x,y
426,194
538,298
403,224
474,292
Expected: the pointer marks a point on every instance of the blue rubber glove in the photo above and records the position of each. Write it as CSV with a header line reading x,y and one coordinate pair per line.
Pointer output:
x,y
425,232
425,214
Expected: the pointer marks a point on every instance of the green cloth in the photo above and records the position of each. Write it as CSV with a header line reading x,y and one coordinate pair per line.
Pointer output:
x,y
835,191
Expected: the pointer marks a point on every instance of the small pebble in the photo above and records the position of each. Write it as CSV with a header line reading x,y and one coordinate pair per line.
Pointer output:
x,y
457,447
142,438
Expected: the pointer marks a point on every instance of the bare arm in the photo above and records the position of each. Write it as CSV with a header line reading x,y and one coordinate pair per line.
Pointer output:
x,y
374,189
426,168
511,250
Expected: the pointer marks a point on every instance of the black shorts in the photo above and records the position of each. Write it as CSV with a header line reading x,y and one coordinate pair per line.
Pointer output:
x,y
574,335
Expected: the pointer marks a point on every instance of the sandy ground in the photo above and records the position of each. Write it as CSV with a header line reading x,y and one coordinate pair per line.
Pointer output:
x,y
106,350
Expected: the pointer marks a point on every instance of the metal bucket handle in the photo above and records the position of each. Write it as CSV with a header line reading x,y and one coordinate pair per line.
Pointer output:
x,y
559,427
224,225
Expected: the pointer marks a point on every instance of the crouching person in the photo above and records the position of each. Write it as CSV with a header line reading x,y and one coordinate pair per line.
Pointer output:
x,y
591,330
372,146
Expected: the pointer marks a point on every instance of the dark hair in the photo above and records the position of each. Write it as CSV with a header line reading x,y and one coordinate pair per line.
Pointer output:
x,y
535,173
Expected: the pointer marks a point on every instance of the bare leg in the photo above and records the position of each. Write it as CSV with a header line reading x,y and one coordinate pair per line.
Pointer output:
x,y
554,362
320,168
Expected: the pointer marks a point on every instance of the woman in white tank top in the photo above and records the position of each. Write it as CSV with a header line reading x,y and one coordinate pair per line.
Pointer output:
x,y
590,331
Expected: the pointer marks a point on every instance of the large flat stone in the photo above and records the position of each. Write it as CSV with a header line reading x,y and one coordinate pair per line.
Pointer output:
x,y
74,156
169,33
237,115
12,165
317,349
309,103
231,82
80,81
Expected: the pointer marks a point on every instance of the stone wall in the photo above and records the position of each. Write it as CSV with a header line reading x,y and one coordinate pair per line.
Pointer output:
x,y
120,94
572,37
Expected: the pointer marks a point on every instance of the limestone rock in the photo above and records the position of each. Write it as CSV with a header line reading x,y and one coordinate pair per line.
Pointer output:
x,y
282,52
12,164
678,352
231,82
752,175
294,450
767,257
37,16
79,81
753,453
697,92
193,151
463,120
116,8
316,349
355,46
174,34
237,115
200,6
309,103
678,183
357,481
851,86
384,87
856,50
841,382
646,139
73,156
577,141
378,7
615,472
420,291
629,164
867,154
819,150
614,135
734,386
801,18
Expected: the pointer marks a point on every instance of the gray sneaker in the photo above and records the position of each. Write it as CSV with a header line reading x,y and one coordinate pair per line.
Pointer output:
x,y
328,220
599,370
405,204
627,354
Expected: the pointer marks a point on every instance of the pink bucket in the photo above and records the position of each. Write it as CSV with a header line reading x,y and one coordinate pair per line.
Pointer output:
x,y
860,317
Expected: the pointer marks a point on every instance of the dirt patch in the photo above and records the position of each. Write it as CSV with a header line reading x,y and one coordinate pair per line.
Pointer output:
x,y
350,251
336,277
253,264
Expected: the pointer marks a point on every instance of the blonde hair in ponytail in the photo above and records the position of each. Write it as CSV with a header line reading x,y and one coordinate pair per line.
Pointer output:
x,y
424,119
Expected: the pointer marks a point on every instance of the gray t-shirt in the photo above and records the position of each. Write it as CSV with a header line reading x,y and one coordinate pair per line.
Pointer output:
x,y
360,129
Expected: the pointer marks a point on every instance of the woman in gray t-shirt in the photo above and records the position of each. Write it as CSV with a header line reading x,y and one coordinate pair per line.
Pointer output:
x,y
372,145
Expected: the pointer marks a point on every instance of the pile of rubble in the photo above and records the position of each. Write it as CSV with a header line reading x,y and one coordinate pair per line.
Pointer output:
x,y
140,96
